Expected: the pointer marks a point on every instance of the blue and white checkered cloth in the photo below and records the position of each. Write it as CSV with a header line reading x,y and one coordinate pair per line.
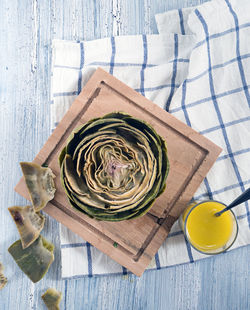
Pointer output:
x,y
198,69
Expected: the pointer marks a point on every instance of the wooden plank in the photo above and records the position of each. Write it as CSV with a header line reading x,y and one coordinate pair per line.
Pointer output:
x,y
190,154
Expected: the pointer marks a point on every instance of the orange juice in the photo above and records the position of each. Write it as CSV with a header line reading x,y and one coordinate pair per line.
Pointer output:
x,y
206,232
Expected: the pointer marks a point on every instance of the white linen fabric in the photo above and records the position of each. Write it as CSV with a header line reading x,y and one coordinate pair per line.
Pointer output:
x,y
198,69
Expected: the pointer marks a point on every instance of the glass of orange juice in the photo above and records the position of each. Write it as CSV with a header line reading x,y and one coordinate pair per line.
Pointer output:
x,y
207,233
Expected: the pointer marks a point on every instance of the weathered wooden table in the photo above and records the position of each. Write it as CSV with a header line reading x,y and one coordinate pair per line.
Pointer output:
x,y
26,30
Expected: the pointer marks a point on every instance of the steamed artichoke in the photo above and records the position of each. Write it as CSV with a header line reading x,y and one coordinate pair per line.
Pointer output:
x,y
114,167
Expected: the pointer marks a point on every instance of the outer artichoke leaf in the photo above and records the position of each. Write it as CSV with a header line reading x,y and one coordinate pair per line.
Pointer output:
x,y
64,181
73,139
144,210
40,184
61,156
165,167
117,115
66,188
75,206
76,187
35,260
97,125
115,216
52,299
28,222
86,141
87,209
76,183
144,127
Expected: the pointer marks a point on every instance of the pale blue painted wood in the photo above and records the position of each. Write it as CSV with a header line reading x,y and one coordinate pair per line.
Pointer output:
x,y
26,30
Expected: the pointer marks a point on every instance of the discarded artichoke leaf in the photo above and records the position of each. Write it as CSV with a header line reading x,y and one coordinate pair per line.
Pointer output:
x,y
3,280
52,299
28,222
35,260
39,181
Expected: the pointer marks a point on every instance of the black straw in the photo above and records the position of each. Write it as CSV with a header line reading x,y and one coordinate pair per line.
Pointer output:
x,y
242,198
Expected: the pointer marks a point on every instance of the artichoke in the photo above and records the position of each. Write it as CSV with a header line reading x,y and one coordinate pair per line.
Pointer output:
x,y
114,167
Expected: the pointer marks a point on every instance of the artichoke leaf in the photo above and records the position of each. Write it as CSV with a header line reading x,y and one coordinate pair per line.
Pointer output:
x,y
52,299
73,139
76,183
88,128
35,260
28,222
39,181
62,156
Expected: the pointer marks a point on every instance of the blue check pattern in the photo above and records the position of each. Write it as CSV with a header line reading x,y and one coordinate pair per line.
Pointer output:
x,y
198,79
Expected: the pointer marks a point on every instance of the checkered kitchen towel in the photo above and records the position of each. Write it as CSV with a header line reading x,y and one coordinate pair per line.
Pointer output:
x,y
198,69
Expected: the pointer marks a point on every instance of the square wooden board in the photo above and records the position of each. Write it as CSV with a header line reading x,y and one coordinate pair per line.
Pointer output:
x,y
190,154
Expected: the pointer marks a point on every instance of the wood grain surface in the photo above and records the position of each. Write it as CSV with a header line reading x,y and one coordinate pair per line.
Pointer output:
x,y
26,30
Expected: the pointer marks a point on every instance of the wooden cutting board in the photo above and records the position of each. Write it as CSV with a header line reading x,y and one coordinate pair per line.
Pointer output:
x,y
190,154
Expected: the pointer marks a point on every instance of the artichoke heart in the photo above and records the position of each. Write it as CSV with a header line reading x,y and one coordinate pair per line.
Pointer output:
x,y
35,260
114,167
28,222
39,181
52,299
3,280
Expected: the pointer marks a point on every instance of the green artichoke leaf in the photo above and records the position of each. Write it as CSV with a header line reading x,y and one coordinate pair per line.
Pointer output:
x,y
165,167
40,184
76,183
61,156
29,223
35,260
52,299
73,138
117,115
